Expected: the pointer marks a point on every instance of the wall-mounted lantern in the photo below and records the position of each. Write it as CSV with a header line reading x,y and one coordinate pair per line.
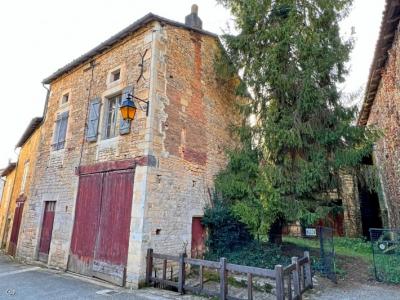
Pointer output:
x,y
128,107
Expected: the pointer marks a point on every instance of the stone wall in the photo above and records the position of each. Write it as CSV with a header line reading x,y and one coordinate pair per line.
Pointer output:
x,y
190,135
4,208
351,205
385,115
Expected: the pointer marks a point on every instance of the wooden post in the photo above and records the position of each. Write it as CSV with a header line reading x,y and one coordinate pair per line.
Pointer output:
x,y
223,279
296,279
201,277
164,273
289,285
307,267
280,284
181,279
149,265
249,286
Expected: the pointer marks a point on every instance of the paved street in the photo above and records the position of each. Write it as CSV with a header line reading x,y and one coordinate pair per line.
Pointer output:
x,y
18,281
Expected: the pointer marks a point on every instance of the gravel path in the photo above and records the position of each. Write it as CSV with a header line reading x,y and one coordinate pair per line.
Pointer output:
x,y
364,292
325,290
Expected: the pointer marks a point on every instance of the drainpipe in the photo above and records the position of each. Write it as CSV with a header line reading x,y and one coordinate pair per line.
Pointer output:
x,y
46,102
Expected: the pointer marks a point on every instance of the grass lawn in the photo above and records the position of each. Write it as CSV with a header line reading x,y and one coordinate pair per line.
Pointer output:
x,y
352,247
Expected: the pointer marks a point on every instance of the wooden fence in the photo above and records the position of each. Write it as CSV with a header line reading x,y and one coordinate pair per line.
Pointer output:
x,y
290,281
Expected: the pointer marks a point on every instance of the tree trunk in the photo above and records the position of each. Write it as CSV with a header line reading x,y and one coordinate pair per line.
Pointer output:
x,y
275,232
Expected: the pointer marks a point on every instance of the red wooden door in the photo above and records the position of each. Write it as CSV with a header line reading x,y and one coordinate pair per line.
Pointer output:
x,y
198,234
15,228
100,238
86,224
47,230
111,252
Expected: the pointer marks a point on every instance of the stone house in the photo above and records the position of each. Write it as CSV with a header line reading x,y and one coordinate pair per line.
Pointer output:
x,y
2,181
381,108
9,175
105,190
20,187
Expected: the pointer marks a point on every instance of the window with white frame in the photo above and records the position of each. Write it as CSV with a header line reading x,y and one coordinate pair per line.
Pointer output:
x,y
24,177
111,116
60,131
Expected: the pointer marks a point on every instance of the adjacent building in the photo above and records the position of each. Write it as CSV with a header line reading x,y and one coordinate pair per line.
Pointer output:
x,y
20,191
8,176
105,190
381,109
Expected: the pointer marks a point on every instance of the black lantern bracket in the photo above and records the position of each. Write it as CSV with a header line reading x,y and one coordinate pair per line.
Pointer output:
x,y
145,103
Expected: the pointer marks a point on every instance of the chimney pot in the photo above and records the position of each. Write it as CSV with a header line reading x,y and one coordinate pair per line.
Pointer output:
x,y
193,19
195,9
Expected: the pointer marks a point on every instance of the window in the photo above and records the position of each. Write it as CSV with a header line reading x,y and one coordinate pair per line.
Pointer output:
x,y
111,116
60,131
24,176
64,99
115,75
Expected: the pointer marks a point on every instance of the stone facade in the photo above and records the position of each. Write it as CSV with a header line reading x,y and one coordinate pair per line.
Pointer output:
x,y
385,115
5,220
182,140
351,206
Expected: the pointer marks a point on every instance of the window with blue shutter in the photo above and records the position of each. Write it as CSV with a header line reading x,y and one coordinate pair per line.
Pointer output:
x,y
60,131
93,120
125,125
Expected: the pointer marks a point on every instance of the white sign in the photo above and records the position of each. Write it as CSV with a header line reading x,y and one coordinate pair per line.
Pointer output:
x,y
311,232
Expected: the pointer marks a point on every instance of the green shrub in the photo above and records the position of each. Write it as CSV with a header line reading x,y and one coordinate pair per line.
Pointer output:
x,y
225,231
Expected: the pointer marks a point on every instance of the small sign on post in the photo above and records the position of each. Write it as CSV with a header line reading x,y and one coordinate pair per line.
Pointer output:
x,y
311,232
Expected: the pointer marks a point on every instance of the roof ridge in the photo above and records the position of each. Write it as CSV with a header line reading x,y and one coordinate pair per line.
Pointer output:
x,y
118,37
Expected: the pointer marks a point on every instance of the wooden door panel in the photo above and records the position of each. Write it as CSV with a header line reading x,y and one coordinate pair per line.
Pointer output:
x,y
111,251
198,235
86,224
15,228
47,230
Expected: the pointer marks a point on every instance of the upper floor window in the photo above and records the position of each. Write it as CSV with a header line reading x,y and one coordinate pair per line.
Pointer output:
x,y
111,116
65,99
60,131
115,75
24,176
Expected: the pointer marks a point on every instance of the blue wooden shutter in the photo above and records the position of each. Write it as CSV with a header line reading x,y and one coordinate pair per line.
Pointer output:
x,y
56,132
63,130
125,126
60,131
93,120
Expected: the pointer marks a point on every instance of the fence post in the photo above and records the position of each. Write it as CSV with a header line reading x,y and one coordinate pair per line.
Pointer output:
x,y
296,279
223,279
249,286
181,279
149,265
280,284
307,268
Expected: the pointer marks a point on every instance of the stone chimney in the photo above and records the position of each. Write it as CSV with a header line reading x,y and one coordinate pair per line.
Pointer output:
x,y
193,19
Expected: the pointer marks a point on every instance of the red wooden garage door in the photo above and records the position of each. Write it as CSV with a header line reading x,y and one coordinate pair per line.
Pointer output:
x,y
86,224
103,211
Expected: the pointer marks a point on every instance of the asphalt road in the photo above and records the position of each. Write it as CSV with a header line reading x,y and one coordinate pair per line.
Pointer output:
x,y
19,281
